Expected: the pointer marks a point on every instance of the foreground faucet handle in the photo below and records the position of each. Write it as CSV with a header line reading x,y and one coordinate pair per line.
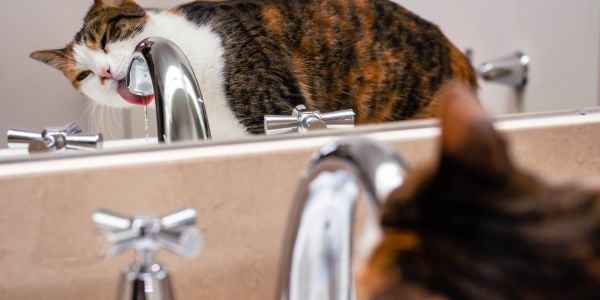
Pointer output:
x,y
53,139
147,234
303,120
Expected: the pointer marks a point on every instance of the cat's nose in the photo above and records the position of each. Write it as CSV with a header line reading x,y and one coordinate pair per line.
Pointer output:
x,y
105,73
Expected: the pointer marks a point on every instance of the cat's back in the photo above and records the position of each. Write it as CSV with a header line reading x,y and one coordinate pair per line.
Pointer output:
x,y
373,56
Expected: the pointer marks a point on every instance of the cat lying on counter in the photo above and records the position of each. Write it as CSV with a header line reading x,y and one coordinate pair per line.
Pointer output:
x,y
254,58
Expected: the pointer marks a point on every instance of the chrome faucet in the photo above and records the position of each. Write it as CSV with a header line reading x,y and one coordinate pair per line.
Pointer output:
x,y
159,67
317,253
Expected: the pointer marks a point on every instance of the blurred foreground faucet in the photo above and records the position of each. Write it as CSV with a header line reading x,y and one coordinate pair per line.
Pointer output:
x,y
145,279
317,254
159,67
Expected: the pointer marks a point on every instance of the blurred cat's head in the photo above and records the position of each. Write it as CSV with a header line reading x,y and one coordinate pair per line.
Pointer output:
x,y
476,226
97,59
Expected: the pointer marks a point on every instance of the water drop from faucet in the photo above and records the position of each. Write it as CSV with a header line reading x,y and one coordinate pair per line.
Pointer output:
x,y
146,127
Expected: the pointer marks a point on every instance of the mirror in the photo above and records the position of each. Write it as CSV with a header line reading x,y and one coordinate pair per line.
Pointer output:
x,y
563,61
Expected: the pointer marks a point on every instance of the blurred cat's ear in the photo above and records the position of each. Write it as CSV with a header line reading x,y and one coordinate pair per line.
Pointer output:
x,y
56,58
111,3
468,136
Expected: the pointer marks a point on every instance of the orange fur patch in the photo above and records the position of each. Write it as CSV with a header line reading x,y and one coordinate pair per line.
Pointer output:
x,y
273,20
302,78
461,67
377,274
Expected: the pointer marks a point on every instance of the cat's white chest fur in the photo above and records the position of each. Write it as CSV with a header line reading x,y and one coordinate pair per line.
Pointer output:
x,y
204,49
201,45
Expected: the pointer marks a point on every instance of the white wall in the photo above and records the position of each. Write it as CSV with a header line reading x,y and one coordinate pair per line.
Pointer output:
x,y
33,95
562,36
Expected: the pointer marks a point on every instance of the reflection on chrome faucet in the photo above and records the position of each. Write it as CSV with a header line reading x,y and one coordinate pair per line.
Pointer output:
x,y
159,67
316,262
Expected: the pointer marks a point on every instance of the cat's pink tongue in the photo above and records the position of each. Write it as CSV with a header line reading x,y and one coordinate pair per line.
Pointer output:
x,y
131,98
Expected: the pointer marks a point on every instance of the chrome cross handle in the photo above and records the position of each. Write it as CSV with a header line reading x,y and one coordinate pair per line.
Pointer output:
x,y
54,139
146,234
174,232
303,120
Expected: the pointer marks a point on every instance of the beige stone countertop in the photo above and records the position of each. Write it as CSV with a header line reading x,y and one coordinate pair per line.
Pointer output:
x,y
241,191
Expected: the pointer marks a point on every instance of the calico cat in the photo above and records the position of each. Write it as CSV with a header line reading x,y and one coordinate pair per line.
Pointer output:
x,y
477,227
253,58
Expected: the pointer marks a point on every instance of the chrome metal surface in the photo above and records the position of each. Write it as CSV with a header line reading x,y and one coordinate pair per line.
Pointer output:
x,y
54,139
303,120
146,234
142,283
158,66
317,254
20,139
510,70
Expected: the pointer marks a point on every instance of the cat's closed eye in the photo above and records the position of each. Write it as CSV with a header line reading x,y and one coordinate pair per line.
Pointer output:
x,y
83,75
104,40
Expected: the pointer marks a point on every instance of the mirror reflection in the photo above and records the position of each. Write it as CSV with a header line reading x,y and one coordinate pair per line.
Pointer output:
x,y
198,71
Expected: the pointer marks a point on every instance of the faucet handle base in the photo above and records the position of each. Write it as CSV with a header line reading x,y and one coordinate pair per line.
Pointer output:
x,y
143,282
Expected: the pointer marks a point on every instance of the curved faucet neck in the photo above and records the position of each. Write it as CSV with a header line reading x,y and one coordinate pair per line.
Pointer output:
x,y
317,255
180,111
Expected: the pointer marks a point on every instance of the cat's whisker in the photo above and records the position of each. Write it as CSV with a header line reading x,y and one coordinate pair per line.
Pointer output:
x,y
103,124
85,116
112,122
90,116
116,119
107,124
100,122
93,124
97,118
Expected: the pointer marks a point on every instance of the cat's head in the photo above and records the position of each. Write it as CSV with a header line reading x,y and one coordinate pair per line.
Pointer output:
x,y
96,60
475,226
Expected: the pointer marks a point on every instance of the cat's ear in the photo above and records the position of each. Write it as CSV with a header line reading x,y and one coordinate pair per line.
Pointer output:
x,y
55,58
110,3
468,136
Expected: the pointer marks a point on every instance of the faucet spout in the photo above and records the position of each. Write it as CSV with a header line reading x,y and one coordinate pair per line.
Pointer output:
x,y
317,254
159,67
